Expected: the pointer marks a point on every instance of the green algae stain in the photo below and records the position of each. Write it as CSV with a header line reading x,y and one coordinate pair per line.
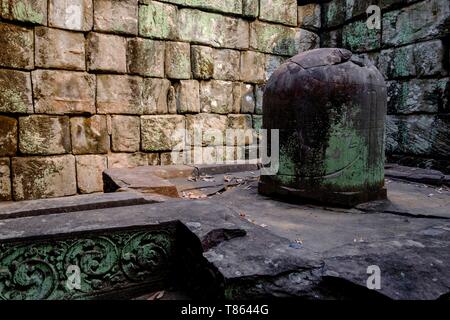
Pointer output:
x,y
23,11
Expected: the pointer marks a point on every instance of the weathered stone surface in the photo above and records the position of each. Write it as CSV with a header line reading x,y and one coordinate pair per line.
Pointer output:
x,y
89,173
173,158
423,20
357,37
59,49
250,8
126,133
5,180
127,160
71,14
278,39
426,176
417,96
15,88
33,11
154,159
417,135
146,57
89,135
154,96
272,64
253,67
309,16
106,52
162,133
216,96
116,16
172,100
246,98
281,11
17,45
43,177
213,29
399,62
259,93
202,62
8,136
43,135
187,96
63,92
333,13
158,20
226,64
178,60
206,129
331,39
429,58
119,94
242,133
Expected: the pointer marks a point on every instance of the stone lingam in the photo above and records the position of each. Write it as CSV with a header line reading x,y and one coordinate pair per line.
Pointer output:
x,y
330,108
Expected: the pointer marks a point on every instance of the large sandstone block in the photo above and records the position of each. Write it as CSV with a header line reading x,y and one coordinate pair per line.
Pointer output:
x,y
406,97
357,37
206,129
59,49
242,129
202,62
44,135
146,57
43,177
17,45
5,180
226,64
106,52
15,88
250,8
426,19
63,92
278,39
119,94
90,173
116,16
227,6
154,95
253,67
309,16
33,11
8,136
212,29
128,160
216,96
178,60
187,96
89,135
281,11
162,133
71,14
246,98
126,133
158,20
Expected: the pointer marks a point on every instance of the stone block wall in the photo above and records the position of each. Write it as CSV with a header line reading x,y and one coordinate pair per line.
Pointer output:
x,y
91,84
412,50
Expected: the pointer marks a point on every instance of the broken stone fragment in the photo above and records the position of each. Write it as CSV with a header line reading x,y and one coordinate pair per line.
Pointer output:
x,y
43,177
8,136
106,52
116,16
125,133
162,133
89,135
59,49
17,45
44,135
72,15
63,92
89,173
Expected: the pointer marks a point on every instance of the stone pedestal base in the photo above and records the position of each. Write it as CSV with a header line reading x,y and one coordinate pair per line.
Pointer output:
x,y
340,199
